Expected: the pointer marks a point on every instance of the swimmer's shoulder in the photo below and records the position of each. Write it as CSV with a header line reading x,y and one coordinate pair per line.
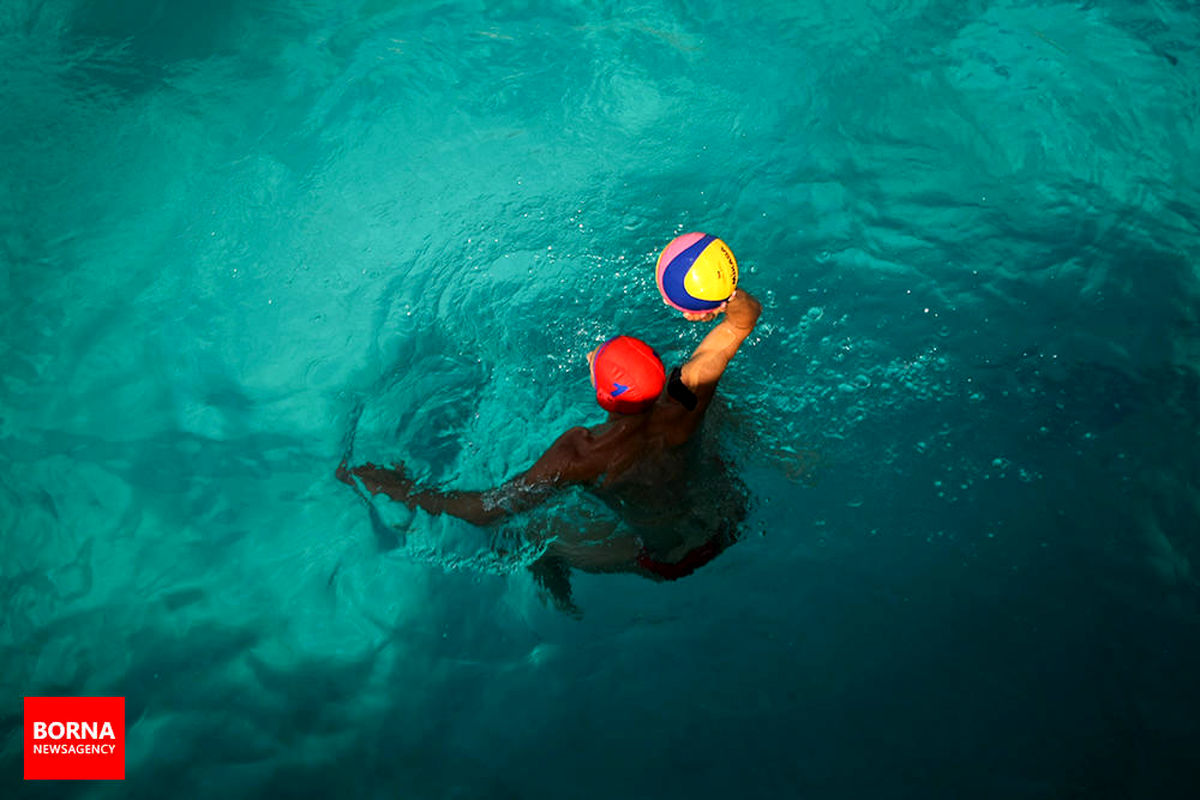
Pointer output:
x,y
572,458
572,444
576,440
677,414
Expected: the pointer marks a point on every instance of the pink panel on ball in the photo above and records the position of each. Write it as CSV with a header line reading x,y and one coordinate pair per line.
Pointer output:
x,y
677,246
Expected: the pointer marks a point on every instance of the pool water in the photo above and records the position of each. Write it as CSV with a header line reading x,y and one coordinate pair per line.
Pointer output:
x,y
238,237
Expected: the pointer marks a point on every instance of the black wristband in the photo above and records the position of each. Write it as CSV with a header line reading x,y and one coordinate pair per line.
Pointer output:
x,y
677,389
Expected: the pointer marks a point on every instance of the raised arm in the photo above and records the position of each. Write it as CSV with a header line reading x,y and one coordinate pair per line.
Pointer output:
x,y
562,464
708,362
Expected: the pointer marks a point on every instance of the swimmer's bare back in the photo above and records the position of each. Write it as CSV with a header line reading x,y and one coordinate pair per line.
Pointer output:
x,y
595,456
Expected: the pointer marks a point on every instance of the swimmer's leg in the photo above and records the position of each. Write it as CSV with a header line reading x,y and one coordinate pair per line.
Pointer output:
x,y
552,572
610,554
594,546
588,542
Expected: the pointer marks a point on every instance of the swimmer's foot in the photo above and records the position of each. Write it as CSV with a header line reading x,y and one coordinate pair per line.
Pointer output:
x,y
553,577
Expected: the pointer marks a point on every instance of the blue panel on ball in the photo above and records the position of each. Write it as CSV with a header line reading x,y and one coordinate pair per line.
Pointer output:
x,y
677,270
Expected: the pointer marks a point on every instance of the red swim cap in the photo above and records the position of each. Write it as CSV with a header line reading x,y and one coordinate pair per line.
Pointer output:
x,y
628,375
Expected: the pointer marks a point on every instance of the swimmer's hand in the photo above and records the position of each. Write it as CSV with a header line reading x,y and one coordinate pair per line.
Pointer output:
x,y
393,482
707,316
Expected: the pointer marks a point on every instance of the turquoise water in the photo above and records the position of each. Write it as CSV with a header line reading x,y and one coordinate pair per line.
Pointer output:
x,y
235,236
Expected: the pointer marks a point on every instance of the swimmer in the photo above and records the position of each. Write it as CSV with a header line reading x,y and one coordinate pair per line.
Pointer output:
x,y
635,462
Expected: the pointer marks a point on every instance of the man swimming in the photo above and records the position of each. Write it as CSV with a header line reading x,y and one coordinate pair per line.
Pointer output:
x,y
637,462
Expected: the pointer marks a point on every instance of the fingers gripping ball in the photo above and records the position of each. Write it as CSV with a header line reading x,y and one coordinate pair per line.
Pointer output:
x,y
696,273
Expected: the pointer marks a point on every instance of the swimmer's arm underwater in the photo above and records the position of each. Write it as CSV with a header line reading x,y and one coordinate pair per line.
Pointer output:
x,y
558,467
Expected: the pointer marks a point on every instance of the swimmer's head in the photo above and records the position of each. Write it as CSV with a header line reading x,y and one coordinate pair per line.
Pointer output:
x,y
628,375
